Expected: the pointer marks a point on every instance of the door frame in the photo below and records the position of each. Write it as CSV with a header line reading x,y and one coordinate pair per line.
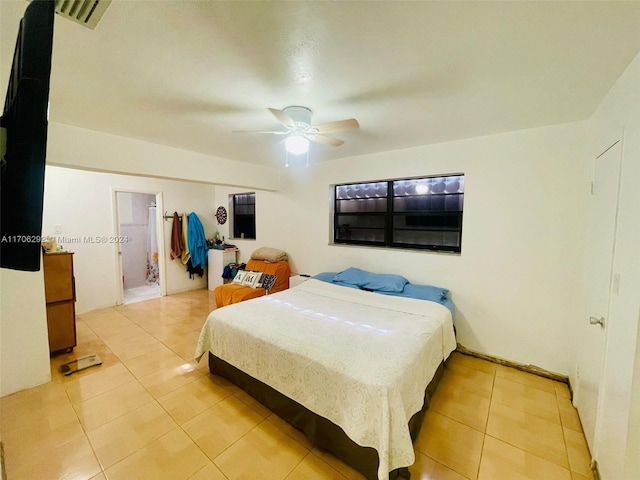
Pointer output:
x,y
610,137
160,234
601,444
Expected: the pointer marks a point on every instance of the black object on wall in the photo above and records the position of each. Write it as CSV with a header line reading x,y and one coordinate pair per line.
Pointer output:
x,y
24,154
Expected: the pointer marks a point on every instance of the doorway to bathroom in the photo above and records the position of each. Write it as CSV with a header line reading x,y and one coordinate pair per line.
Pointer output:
x,y
138,250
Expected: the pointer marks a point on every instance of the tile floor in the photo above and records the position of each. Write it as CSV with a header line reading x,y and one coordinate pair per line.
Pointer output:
x,y
151,412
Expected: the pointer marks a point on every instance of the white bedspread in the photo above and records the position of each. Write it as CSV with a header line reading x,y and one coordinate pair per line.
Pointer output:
x,y
360,359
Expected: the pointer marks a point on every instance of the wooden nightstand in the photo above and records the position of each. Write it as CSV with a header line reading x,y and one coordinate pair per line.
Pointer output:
x,y
60,294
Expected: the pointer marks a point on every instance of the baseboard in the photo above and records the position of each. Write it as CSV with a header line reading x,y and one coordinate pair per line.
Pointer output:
x,y
518,366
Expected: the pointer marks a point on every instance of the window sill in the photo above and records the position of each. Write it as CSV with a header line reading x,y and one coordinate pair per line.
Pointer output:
x,y
397,249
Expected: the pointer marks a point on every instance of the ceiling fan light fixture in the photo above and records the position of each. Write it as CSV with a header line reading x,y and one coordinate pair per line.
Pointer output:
x,y
296,145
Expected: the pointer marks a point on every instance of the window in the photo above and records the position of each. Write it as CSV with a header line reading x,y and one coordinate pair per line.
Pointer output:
x,y
243,215
423,213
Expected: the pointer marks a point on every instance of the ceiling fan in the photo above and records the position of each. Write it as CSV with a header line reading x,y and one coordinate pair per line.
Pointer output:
x,y
300,132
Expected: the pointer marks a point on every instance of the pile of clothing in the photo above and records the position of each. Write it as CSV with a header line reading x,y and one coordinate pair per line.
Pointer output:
x,y
229,271
188,243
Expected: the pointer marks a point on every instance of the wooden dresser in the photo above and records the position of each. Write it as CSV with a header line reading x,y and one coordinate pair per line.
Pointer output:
x,y
60,295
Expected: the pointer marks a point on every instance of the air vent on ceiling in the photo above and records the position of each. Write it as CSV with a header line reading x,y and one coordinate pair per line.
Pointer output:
x,y
84,12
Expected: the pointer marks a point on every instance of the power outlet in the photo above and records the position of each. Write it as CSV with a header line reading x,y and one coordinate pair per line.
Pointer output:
x,y
57,229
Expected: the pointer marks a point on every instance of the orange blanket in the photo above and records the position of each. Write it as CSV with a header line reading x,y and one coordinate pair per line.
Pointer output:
x,y
234,293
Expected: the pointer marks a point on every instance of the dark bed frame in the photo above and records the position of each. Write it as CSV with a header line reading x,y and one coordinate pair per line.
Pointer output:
x,y
321,432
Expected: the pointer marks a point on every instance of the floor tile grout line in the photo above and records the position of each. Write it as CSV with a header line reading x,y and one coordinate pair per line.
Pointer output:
x,y
566,450
466,426
526,451
265,419
530,453
486,423
135,376
137,450
212,462
181,426
326,463
296,465
526,384
203,452
445,466
232,444
153,399
532,414
85,433
107,392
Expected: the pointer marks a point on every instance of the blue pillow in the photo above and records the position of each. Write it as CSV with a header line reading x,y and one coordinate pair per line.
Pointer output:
x,y
325,276
421,292
378,282
424,292
329,276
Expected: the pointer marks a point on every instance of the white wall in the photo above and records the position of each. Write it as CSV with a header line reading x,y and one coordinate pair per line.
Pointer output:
x,y
516,284
24,347
621,110
273,226
81,203
90,150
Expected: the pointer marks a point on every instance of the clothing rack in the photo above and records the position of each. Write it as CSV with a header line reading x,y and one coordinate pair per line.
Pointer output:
x,y
170,217
166,216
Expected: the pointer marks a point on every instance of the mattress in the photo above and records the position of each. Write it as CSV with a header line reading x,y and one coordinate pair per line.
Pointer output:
x,y
359,359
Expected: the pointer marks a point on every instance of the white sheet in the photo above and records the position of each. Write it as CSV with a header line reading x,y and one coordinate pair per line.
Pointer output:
x,y
360,359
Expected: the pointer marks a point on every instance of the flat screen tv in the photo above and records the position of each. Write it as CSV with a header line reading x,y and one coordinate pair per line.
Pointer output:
x,y
24,140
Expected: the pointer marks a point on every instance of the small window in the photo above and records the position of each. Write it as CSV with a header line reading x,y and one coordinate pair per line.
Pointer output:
x,y
423,213
243,215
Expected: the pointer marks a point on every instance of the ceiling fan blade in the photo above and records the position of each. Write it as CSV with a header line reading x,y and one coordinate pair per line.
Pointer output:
x,y
326,140
274,132
282,117
336,126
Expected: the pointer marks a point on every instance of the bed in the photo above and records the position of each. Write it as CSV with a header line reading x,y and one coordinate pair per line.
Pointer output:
x,y
348,366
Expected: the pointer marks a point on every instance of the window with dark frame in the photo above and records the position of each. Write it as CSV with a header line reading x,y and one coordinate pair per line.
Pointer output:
x,y
244,215
423,213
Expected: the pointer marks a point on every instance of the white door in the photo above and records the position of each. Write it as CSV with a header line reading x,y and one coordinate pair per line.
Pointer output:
x,y
600,249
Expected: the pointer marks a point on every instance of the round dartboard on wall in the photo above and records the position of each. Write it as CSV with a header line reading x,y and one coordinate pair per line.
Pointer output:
x,y
221,215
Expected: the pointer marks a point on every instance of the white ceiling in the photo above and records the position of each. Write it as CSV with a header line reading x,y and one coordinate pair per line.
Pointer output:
x,y
188,73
